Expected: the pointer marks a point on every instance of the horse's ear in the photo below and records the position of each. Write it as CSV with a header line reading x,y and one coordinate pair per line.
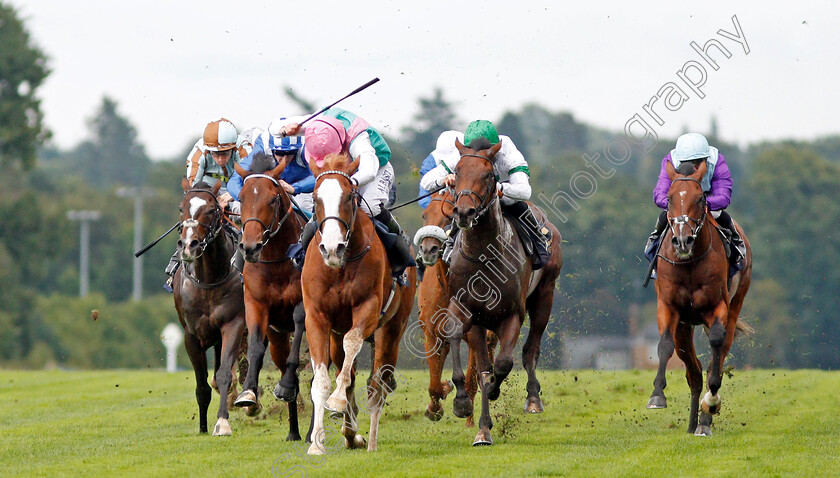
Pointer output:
x,y
276,172
242,172
460,146
672,172
495,149
185,184
700,171
352,167
217,187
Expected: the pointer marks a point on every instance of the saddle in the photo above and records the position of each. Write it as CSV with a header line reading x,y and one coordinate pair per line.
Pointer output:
x,y
389,240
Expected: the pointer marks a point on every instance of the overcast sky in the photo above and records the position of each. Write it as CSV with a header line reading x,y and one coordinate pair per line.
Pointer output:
x,y
173,66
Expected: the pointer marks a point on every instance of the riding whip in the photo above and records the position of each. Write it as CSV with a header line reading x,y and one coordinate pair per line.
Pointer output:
x,y
342,99
152,244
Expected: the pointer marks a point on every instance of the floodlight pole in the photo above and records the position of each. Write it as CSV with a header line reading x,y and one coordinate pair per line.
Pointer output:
x,y
138,193
84,217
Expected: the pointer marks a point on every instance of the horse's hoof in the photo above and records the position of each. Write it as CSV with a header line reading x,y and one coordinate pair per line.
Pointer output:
x,y
315,449
657,402
222,428
284,394
703,431
483,438
336,405
711,404
246,399
358,442
534,405
448,386
462,407
253,410
293,437
434,415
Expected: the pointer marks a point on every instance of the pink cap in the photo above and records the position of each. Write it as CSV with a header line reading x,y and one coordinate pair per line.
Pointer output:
x,y
324,136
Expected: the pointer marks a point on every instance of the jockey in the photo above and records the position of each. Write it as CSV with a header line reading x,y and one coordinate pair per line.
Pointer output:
x,y
211,160
717,185
514,184
445,150
296,179
338,130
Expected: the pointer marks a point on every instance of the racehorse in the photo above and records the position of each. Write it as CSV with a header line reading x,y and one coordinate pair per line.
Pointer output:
x,y
350,295
208,297
692,288
492,286
433,300
273,299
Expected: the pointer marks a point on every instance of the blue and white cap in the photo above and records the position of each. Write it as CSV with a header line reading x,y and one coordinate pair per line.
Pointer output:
x,y
282,143
690,146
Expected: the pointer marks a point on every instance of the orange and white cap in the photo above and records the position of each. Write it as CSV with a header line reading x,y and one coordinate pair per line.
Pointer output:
x,y
220,135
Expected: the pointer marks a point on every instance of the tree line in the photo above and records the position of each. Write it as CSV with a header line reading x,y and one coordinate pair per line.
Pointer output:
x,y
785,197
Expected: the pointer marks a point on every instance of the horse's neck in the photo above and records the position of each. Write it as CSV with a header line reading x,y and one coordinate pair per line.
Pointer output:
x,y
214,263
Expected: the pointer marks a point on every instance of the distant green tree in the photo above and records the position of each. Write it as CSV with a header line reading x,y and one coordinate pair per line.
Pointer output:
x,y
23,67
436,115
112,155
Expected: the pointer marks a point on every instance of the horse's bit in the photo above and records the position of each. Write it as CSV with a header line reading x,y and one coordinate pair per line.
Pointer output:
x,y
485,200
354,199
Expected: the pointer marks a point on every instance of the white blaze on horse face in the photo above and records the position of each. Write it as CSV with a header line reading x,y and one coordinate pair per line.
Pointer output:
x,y
195,204
329,193
682,208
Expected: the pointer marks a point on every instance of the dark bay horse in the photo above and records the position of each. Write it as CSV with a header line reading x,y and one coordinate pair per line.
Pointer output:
x,y
208,297
492,286
350,296
273,298
692,288
432,299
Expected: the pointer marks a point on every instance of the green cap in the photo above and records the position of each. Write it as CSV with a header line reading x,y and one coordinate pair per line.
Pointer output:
x,y
481,129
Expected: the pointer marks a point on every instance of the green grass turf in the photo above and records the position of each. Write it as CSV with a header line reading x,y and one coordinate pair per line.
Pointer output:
x,y
773,423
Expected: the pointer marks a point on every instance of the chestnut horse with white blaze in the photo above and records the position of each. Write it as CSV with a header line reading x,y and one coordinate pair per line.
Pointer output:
x,y
208,297
492,287
350,295
273,297
432,299
693,288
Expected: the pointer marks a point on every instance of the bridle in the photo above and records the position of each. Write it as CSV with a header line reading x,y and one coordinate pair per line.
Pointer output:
x,y
214,227
484,200
276,220
443,198
355,199
686,220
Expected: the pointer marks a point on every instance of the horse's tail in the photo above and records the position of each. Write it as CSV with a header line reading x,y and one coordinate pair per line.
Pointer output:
x,y
743,328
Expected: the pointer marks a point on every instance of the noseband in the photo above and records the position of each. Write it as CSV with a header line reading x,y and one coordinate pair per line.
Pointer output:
x,y
214,227
269,232
355,199
484,200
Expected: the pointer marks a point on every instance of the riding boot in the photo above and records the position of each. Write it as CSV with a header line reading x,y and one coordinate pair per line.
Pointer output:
x,y
540,236
401,258
421,267
738,248
653,239
449,245
297,252
173,265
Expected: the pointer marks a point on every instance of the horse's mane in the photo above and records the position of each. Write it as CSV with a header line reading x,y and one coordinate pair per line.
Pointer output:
x,y
687,168
337,161
480,143
262,162
202,185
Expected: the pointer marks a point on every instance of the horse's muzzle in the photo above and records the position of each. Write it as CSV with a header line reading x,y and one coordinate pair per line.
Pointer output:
x,y
683,245
429,253
333,256
251,252
466,218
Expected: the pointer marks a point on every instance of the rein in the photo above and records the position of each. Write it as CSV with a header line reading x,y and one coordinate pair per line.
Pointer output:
x,y
269,232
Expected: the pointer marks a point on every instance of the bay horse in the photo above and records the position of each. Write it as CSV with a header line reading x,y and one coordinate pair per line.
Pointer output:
x,y
492,286
693,288
432,300
273,298
350,296
208,297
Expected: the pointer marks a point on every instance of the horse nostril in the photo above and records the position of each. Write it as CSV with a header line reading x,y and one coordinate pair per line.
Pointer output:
x,y
470,212
180,244
241,246
689,240
339,250
455,210
193,243
675,242
434,250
